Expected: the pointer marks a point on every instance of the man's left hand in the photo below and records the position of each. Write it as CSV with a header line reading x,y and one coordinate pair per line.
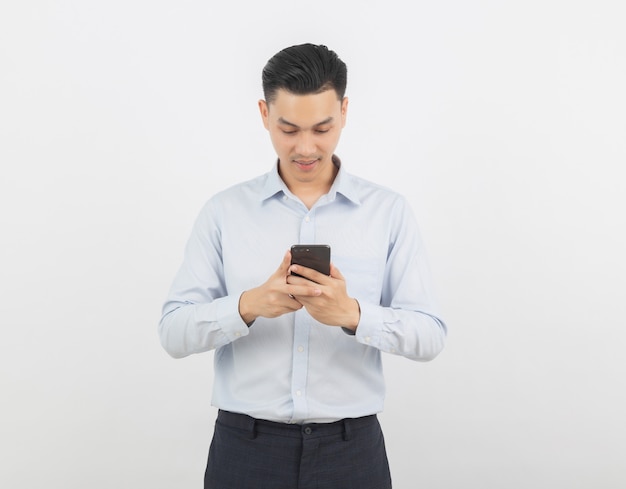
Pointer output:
x,y
324,297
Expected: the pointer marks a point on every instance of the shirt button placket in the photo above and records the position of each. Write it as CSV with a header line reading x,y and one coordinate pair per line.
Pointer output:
x,y
307,229
301,333
300,364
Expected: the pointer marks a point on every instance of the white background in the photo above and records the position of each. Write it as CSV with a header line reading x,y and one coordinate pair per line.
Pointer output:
x,y
503,123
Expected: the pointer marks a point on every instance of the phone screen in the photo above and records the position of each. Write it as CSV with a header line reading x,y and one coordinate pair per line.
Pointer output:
x,y
312,256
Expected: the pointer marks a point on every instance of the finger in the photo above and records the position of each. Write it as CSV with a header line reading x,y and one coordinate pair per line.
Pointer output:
x,y
335,273
299,279
304,290
293,303
283,269
308,273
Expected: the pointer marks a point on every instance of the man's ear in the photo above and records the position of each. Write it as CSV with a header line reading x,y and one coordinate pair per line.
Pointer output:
x,y
344,111
265,113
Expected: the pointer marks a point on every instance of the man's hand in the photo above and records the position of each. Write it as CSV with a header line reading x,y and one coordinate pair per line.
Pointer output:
x,y
271,299
324,297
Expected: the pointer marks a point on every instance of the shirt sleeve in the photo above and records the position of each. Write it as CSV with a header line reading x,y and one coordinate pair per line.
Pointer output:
x,y
406,322
198,314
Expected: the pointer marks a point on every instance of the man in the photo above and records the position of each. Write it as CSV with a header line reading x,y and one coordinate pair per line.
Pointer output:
x,y
298,378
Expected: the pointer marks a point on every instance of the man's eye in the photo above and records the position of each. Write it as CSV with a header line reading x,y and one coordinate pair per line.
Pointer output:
x,y
288,132
321,131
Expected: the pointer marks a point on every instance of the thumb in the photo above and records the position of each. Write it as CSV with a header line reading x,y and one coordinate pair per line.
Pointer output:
x,y
285,264
335,273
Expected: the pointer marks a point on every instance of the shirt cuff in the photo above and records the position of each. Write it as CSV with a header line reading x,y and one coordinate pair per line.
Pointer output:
x,y
369,331
229,319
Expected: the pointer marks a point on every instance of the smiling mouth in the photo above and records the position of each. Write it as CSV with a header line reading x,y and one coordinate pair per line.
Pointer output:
x,y
306,166
305,162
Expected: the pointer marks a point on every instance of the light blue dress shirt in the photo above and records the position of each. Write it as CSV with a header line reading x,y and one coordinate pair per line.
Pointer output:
x,y
292,368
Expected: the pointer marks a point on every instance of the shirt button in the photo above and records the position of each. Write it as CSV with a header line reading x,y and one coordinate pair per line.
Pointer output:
x,y
237,333
307,219
367,339
298,393
300,349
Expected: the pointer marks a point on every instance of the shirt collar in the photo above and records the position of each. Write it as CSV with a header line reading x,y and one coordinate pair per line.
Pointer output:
x,y
342,185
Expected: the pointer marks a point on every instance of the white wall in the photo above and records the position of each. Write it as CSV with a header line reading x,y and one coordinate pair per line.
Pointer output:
x,y
503,122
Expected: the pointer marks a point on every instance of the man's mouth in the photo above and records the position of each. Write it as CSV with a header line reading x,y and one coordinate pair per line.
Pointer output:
x,y
306,163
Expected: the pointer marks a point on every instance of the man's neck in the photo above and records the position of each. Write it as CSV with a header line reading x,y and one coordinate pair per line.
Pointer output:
x,y
310,192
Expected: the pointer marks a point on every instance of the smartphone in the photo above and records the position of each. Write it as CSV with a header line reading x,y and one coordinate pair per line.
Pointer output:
x,y
316,256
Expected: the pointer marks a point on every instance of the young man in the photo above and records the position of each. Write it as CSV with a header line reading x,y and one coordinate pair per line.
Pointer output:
x,y
298,378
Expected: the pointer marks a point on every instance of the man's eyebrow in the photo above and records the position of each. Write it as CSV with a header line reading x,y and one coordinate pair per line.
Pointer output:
x,y
291,124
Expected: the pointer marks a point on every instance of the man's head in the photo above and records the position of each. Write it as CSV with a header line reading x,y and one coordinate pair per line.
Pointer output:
x,y
305,111
304,69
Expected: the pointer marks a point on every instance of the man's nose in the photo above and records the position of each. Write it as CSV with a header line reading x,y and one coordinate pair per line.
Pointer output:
x,y
305,144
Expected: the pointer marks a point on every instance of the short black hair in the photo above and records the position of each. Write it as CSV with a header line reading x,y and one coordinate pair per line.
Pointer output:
x,y
304,69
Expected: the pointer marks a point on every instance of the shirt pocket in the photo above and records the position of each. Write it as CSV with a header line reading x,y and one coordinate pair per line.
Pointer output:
x,y
364,277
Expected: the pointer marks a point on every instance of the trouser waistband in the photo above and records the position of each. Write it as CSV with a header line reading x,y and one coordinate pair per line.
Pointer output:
x,y
310,430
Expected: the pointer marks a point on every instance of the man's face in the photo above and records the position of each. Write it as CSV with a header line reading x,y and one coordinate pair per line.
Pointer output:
x,y
305,130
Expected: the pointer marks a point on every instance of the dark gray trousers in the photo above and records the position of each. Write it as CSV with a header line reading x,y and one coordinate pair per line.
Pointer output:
x,y
247,453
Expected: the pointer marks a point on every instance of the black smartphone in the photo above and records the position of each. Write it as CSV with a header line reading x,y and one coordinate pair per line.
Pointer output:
x,y
316,256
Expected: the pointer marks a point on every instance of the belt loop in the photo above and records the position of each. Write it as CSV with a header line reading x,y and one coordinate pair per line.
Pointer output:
x,y
346,429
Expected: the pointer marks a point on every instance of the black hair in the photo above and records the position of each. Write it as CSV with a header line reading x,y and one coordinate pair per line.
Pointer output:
x,y
304,69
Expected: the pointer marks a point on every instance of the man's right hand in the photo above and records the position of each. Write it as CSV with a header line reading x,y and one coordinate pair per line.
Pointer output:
x,y
271,299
